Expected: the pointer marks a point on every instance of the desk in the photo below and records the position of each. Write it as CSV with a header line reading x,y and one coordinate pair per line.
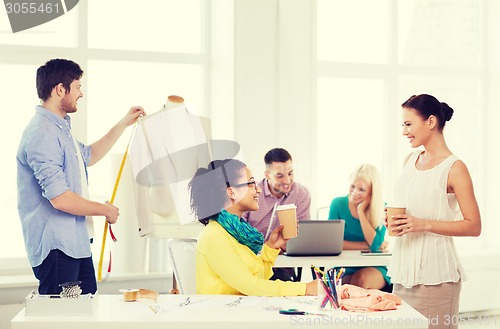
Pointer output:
x,y
219,311
346,259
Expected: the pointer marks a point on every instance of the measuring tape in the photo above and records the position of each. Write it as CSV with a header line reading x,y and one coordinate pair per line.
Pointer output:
x,y
106,224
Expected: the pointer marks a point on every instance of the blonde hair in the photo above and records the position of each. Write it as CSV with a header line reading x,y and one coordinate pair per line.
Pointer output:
x,y
371,174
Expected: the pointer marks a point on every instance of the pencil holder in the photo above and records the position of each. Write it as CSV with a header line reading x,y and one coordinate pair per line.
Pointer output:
x,y
327,299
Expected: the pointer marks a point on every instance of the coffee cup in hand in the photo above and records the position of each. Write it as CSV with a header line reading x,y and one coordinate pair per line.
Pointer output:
x,y
287,215
392,210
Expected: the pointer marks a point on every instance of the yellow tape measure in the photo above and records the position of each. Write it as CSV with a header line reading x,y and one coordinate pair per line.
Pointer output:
x,y
106,224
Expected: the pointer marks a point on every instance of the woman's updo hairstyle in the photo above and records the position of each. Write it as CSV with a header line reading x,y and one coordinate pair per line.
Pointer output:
x,y
427,105
208,187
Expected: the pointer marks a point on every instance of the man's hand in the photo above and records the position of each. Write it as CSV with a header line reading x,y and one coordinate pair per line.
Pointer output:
x,y
132,115
112,213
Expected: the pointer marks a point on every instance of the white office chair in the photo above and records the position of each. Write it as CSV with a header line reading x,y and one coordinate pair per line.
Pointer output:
x,y
183,256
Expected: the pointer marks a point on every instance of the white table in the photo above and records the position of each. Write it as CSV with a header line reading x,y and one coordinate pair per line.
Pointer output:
x,y
346,258
218,311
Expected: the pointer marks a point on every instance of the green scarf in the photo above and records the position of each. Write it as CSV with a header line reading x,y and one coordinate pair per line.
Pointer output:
x,y
239,229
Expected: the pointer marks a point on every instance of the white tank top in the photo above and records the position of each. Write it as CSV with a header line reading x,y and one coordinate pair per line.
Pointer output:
x,y
423,257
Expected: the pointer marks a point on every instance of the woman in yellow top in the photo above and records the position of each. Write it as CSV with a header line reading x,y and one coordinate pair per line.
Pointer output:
x,y
231,256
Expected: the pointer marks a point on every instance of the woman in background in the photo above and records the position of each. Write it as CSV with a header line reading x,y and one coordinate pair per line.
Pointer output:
x,y
362,211
437,190
231,256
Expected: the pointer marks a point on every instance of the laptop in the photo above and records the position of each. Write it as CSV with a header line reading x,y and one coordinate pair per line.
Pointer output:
x,y
317,238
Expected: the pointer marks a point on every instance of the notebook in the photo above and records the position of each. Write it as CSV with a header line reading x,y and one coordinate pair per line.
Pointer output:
x,y
317,238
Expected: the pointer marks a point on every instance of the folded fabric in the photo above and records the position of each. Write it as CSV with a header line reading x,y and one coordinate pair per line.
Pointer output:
x,y
357,299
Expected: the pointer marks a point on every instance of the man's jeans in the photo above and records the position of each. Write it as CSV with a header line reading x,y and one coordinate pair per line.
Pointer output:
x,y
59,268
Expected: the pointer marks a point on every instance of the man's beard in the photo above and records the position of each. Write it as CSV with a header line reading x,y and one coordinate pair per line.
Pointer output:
x,y
67,107
281,189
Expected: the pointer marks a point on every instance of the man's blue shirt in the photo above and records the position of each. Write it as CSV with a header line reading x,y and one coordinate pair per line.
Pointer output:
x,y
47,166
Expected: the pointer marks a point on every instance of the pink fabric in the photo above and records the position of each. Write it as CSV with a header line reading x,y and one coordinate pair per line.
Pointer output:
x,y
357,299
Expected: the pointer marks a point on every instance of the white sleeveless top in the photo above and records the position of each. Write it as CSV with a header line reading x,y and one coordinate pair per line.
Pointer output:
x,y
423,257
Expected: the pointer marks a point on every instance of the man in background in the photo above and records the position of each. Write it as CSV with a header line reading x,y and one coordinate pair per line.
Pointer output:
x,y
279,188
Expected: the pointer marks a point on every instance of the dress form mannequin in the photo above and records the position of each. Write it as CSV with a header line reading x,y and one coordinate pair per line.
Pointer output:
x,y
172,101
160,189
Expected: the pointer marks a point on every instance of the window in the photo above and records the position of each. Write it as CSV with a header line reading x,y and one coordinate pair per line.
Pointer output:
x,y
114,97
170,25
368,64
59,32
349,132
439,33
348,31
135,53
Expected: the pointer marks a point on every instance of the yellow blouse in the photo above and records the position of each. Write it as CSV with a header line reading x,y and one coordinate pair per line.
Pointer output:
x,y
225,266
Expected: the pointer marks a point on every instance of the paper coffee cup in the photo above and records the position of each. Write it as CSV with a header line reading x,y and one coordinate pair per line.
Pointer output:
x,y
393,208
287,215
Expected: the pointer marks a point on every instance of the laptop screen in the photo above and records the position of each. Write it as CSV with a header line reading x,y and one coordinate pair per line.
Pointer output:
x,y
317,238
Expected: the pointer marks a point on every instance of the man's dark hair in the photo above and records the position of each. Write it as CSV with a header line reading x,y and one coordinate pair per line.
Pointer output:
x,y
54,72
277,155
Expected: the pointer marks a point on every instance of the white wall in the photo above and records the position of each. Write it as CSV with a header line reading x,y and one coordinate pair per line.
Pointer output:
x,y
255,78
492,139
273,82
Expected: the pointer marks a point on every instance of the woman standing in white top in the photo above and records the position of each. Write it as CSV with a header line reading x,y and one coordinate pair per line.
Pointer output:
x,y
437,190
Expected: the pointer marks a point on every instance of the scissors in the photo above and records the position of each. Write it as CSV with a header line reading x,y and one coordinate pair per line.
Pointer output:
x,y
294,311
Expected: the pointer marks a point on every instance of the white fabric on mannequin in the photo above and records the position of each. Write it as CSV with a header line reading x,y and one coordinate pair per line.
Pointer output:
x,y
167,149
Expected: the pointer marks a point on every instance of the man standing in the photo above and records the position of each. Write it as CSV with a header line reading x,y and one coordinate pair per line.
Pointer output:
x,y
52,182
278,188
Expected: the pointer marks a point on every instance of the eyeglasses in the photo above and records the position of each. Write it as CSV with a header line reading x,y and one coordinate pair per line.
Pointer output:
x,y
254,183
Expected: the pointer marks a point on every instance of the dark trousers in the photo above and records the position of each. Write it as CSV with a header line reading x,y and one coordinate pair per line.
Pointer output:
x,y
59,268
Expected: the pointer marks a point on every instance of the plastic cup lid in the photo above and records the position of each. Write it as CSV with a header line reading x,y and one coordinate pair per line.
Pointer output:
x,y
286,206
